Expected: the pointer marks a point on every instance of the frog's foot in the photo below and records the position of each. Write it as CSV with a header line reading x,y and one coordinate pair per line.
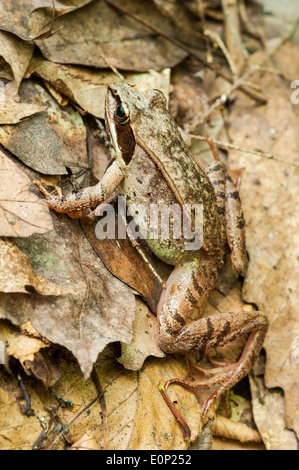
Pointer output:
x,y
74,203
56,201
217,362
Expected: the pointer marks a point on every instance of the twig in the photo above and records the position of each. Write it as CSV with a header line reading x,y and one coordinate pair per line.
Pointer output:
x,y
227,146
102,401
215,37
71,422
114,69
289,34
156,30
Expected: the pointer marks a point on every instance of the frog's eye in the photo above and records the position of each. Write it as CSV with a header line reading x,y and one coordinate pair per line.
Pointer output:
x,y
123,113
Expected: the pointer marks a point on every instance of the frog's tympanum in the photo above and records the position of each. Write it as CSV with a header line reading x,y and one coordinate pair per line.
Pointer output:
x,y
152,165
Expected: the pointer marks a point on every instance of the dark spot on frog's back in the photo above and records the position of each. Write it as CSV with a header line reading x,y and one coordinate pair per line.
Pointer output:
x,y
234,195
240,222
224,332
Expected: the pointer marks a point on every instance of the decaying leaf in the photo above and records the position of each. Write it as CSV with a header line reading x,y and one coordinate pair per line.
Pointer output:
x,y
17,54
12,112
270,199
87,87
98,308
16,274
110,37
124,262
14,15
26,345
188,101
144,342
138,418
22,213
269,414
50,141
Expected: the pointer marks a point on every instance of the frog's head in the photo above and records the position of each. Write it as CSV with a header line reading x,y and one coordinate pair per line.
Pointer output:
x,y
126,110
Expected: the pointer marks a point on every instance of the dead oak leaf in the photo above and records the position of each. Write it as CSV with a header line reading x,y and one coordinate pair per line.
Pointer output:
x,y
12,112
269,193
16,274
14,15
122,41
98,308
22,213
50,141
17,54
88,87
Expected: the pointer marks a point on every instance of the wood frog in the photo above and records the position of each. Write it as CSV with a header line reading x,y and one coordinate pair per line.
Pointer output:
x,y
152,165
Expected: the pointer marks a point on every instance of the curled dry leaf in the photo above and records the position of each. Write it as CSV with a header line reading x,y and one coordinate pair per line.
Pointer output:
x,y
25,345
16,274
238,431
14,14
270,198
87,87
123,42
17,54
50,141
98,308
22,213
12,112
267,404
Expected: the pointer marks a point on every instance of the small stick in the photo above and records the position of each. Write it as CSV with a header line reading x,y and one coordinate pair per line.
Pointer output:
x,y
102,401
227,146
215,37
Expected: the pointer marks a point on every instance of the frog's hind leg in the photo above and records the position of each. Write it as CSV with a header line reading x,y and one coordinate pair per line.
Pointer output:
x,y
181,332
229,208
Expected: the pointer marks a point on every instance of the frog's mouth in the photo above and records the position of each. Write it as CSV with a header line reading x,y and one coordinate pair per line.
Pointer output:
x,y
121,135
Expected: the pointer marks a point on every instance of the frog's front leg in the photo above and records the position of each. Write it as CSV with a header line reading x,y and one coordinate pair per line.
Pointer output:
x,y
75,203
186,293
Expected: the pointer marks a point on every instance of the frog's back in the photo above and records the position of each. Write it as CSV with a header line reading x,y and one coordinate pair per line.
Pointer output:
x,y
174,164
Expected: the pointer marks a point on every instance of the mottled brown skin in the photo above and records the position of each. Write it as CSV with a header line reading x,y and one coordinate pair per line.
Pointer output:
x,y
154,165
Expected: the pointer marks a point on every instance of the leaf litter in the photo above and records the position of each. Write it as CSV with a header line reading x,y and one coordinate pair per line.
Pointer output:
x,y
94,308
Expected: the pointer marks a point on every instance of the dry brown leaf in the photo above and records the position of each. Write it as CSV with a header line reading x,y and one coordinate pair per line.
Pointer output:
x,y
270,198
86,442
144,342
225,444
14,14
237,431
22,213
50,141
12,112
98,309
269,412
16,274
20,345
87,87
17,430
17,54
25,345
138,418
122,41
188,101
124,262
